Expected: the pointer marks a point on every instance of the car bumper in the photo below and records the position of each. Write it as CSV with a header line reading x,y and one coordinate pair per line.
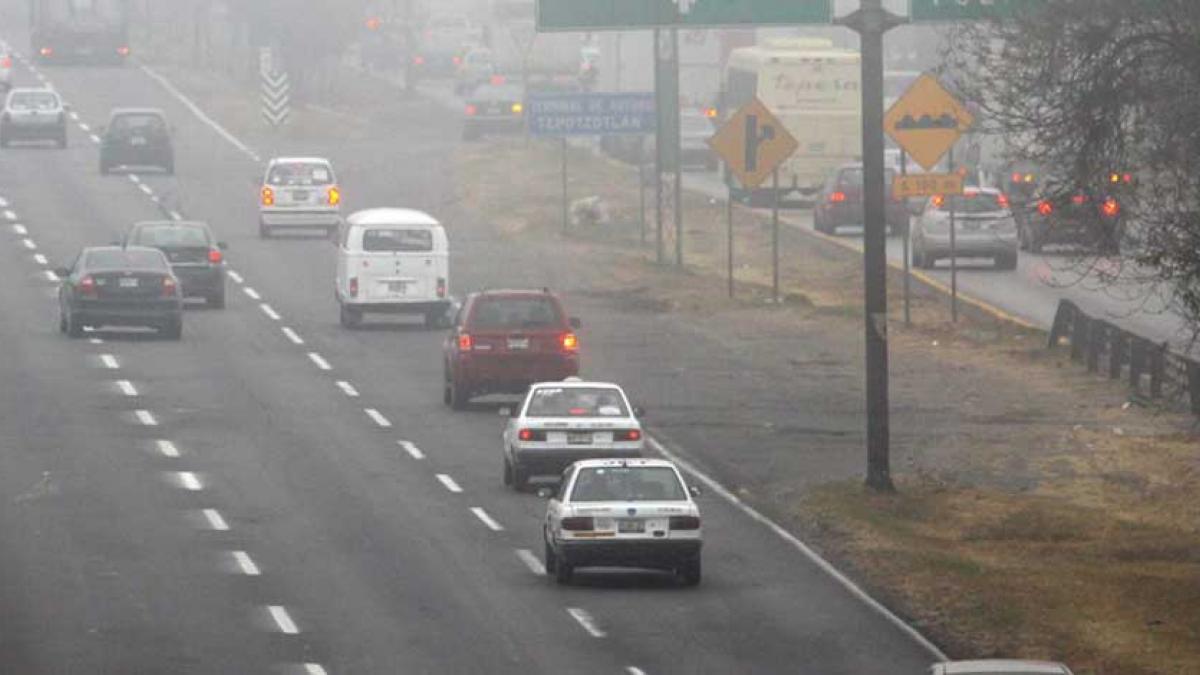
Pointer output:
x,y
646,553
971,245
135,155
128,314
394,307
496,374
494,125
552,461
200,281
17,130
301,218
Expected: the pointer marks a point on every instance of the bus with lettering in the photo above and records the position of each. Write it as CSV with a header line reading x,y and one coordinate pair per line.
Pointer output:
x,y
814,89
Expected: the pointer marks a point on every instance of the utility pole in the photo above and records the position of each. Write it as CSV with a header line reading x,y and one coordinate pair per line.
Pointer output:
x,y
871,21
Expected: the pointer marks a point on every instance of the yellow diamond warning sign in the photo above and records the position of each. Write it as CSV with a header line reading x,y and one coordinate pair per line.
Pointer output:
x,y
927,120
753,143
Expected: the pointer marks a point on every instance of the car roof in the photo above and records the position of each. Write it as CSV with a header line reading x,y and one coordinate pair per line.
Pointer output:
x,y
137,111
300,160
512,293
982,667
171,223
392,216
575,382
103,249
631,462
32,90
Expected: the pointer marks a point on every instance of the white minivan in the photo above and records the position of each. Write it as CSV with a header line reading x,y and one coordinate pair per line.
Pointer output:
x,y
392,261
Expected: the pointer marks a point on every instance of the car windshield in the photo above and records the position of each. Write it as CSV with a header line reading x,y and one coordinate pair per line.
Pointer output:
x,y
400,240
171,236
137,123
628,484
33,100
122,259
576,402
300,174
508,313
971,203
854,177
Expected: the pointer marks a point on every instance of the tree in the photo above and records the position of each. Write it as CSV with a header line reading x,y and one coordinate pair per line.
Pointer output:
x,y
1086,88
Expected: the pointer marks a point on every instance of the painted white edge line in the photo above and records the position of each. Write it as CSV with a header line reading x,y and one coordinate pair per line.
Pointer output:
x,y
347,388
195,109
531,561
319,361
449,483
270,312
126,387
215,520
292,335
74,115
167,448
253,294
486,519
95,341
378,418
145,418
824,565
283,619
411,449
246,564
584,619
175,215
189,481
237,278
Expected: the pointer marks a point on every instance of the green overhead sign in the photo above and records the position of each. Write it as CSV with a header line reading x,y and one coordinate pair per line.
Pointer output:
x,y
595,15
967,10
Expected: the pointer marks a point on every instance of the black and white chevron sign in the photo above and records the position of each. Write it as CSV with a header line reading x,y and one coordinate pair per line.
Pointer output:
x,y
276,95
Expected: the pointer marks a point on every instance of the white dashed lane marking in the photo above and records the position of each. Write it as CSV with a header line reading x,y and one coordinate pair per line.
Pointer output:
x,y
486,519
109,361
10,215
95,341
531,561
314,669
246,564
40,259
237,278
347,389
586,621
145,188
126,387
145,418
215,520
634,670
253,294
168,449
319,361
29,244
189,481
134,178
270,312
449,483
20,230
175,215
378,418
411,449
50,275
74,115
95,139
85,128
283,620
292,335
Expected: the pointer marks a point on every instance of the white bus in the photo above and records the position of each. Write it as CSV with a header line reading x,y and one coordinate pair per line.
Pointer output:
x,y
814,89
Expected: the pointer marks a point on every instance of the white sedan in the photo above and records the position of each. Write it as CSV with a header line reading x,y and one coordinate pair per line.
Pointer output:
x,y
562,422
623,513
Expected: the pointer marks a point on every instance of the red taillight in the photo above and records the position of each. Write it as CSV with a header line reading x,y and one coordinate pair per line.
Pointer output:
x,y
333,196
6,62
628,435
441,287
938,201
1078,200
497,80
570,342
837,198
169,287
354,287
123,51
46,51
1127,178
419,60
472,110
711,113
465,343
1111,208
87,286
1002,201
268,196
1045,208
684,522
457,60
1016,177
578,524
215,257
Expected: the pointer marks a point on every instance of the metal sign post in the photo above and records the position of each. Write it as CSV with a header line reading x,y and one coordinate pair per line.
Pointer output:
x,y
775,236
565,207
677,146
953,251
907,240
658,153
729,232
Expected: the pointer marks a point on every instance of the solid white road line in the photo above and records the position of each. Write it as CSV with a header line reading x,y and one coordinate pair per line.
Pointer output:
x,y
314,669
246,564
29,244
586,621
378,418
187,102
145,418
237,278
411,449
215,520
94,138
531,561
319,361
486,519
347,389
189,481
270,311
126,387
292,335
168,449
50,275
800,546
20,230
449,483
40,259
283,620
253,294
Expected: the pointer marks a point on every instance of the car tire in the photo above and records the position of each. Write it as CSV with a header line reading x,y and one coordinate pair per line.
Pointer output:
x,y
690,573
74,327
62,140
549,559
1007,262
459,400
174,329
216,300
508,472
349,317
918,258
447,397
1022,238
264,231
563,571
520,480
62,322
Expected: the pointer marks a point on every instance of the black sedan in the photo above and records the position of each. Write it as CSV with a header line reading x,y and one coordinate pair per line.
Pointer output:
x,y
120,286
494,109
137,137
197,258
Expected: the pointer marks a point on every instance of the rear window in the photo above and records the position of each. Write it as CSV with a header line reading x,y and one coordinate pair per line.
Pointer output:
x,y
33,100
171,236
628,484
300,173
576,402
389,239
116,259
972,202
854,177
137,123
509,313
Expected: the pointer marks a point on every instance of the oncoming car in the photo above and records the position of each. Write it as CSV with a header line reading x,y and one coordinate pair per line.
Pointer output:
x,y
299,193
623,513
559,423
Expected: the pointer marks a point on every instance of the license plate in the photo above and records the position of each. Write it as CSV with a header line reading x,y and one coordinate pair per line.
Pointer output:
x,y
579,437
400,287
518,343
631,526
128,282
300,194
137,140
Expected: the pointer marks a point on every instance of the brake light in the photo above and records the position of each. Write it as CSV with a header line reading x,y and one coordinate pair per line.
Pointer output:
x,y
87,286
837,197
267,196
578,524
1111,208
1078,200
684,522
1016,177
570,342
938,201
333,196
472,109
169,287
710,113
419,60
465,343
1002,200
6,62
628,435
354,287
46,51
1127,178
1045,208
123,51
441,287
215,257
531,435
497,80
457,60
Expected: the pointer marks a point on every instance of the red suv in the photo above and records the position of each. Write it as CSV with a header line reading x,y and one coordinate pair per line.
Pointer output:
x,y
504,341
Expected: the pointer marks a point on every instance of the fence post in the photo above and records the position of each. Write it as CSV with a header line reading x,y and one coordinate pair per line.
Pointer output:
x,y
1080,333
1137,359
1094,344
1116,353
1158,368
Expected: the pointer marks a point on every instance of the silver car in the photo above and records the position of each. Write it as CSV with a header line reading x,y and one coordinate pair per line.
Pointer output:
x,y
299,193
6,68
984,227
33,115
999,667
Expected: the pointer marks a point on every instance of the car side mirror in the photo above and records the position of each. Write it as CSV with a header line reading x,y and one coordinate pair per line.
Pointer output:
x,y
576,323
545,493
223,245
67,107
62,272
694,490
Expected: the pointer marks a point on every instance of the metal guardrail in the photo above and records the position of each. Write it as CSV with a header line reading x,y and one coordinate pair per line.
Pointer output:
x,y
1151,368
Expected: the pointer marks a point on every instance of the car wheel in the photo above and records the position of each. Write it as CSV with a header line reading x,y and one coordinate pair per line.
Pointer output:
x,y
1008,261
689,573
508,472
350,317
174,329
447,394
549,559
62,321
1022,238
520,480
74,327
217,300
459,400
563,571
62,139
918,258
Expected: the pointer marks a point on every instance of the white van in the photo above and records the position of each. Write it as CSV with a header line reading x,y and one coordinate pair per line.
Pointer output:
x,y
392,261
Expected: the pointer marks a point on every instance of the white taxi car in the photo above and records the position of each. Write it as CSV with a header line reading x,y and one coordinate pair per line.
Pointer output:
x,y
623,513
299,193
562,422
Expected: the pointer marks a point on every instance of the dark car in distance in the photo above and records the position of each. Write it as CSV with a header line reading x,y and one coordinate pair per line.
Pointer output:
x,y
196,257
840,202
120,286
494,108
137,137
504,341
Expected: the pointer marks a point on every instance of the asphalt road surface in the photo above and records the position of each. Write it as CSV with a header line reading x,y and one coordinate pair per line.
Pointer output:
x,y
264,495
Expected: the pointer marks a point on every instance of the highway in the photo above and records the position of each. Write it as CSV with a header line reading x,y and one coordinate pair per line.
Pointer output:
x,y
270,494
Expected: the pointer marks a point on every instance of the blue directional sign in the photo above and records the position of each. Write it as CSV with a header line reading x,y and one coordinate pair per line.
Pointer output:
x,y
590,114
